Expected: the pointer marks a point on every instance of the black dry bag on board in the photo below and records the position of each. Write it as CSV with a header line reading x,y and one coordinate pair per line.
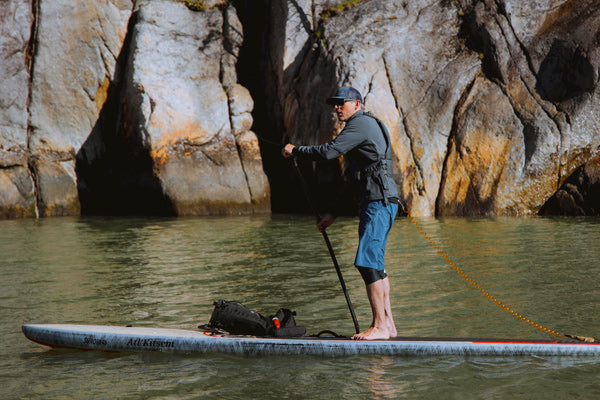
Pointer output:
x,y
240,320
286,326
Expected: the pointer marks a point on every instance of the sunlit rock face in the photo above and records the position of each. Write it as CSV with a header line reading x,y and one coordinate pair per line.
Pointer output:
x,y
182,105
116,107
17,193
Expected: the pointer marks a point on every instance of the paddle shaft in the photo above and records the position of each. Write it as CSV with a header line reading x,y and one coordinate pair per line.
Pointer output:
x,y
328,243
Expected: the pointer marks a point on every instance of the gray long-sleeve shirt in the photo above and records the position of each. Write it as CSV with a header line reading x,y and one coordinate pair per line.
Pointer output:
x,y
363,143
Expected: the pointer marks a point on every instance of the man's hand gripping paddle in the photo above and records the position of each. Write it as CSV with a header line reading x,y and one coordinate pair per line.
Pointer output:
x,y
329,247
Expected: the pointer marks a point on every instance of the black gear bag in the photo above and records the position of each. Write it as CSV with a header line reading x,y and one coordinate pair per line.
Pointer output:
x,y
237,319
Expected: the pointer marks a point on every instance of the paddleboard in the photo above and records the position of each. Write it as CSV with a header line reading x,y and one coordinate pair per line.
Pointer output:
x,y
143,339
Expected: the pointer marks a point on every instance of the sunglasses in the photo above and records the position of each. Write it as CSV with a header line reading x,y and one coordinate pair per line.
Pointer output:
x,y
339,102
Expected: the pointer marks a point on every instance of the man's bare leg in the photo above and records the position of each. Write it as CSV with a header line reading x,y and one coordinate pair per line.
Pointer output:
x,y
388,309
382,326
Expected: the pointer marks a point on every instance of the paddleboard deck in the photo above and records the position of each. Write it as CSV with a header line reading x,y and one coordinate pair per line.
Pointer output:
x,y
142,339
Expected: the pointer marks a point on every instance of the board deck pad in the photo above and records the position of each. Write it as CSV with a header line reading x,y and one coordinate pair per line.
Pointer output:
x,y
144,339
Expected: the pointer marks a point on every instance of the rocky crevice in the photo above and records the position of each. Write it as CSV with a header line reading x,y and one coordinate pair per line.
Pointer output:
x,y
31,51
451,140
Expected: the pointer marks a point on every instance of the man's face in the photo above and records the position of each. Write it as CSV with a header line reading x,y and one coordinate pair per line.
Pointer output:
x,y
346,109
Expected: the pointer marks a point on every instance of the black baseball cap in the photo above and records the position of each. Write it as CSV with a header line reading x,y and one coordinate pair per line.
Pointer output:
x,y
345,93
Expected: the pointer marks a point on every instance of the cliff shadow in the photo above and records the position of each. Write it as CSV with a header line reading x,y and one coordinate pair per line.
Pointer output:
x,y
274,87
114,173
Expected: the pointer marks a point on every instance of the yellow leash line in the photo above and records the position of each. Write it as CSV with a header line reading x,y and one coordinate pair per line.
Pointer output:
x,y
487,294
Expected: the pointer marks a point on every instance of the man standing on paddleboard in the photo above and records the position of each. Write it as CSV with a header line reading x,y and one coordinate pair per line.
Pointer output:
x,y
365,143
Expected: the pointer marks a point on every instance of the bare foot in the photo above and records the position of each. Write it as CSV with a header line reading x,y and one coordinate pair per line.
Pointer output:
x,y
392,330
372,333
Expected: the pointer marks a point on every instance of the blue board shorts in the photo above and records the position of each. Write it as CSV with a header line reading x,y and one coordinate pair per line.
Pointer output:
x,y
376,220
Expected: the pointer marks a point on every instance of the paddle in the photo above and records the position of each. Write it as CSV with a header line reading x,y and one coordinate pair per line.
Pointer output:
x,y
329,247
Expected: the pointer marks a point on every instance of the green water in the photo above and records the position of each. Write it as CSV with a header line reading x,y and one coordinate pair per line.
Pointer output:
x,y
167,272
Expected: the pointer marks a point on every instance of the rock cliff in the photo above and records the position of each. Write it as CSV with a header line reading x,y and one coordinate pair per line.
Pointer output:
x,y
120,107
17,192
150,106
492,104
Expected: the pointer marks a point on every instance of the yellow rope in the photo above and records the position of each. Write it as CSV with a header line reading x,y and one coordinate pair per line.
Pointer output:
x,y
484,292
